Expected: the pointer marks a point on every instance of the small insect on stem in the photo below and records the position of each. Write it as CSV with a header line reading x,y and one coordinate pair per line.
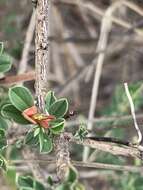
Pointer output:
x,y
70,114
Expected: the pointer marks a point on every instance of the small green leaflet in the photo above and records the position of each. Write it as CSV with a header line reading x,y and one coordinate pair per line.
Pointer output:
x,y
59,108
21,98
5,63
10,112
57,126
45,143
50,99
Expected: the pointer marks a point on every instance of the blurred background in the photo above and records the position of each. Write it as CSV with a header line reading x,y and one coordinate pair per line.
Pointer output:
x,y
78,37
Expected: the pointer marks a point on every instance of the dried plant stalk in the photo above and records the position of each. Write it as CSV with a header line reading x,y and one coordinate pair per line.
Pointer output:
x,y
41,51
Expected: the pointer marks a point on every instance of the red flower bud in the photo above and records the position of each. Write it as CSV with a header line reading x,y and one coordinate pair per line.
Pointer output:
x,y
45,122
32,115
29,112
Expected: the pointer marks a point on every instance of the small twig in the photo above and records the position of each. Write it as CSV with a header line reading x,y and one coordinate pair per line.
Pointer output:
x,y
9,80
121,121
111,140
87,22
26,49
133,169
18,78
56,54
70,47
133,113
81,72
95,9
109,147
133,6
80,164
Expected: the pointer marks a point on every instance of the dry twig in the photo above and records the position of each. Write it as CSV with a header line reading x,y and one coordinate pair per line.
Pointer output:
x,y
26,49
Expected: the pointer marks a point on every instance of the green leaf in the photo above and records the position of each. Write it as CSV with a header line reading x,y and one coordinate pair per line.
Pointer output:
x,y
64,187
31,140
81,132
50,99
79,186
45,143
3,163
3,123
10,177
4,100
41,140
1,47
37,131
5,63
21,97
25,182
38,186
50,181
57,125
59,108
10,112
72,175
3,141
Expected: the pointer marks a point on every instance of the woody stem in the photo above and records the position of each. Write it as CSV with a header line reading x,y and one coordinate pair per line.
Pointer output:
x,y
41,52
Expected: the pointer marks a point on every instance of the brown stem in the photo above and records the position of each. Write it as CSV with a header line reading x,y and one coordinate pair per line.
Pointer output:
x,y
62,156
109,147
18,78
41,52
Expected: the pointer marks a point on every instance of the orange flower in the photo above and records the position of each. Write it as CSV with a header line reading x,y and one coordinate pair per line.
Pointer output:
x,y
32,115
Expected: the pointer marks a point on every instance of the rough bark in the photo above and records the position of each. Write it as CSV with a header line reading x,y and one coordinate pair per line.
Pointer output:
x,y
41,51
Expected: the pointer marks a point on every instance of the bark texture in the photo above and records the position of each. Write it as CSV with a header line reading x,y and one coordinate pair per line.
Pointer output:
x,y
41,51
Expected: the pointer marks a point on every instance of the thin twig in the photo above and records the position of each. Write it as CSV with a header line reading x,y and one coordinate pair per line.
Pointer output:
x,y
80,164
26,49
112,148
9,80
56,54
95,9
87,22
106,121
133,113
71,48
133,169
133,6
